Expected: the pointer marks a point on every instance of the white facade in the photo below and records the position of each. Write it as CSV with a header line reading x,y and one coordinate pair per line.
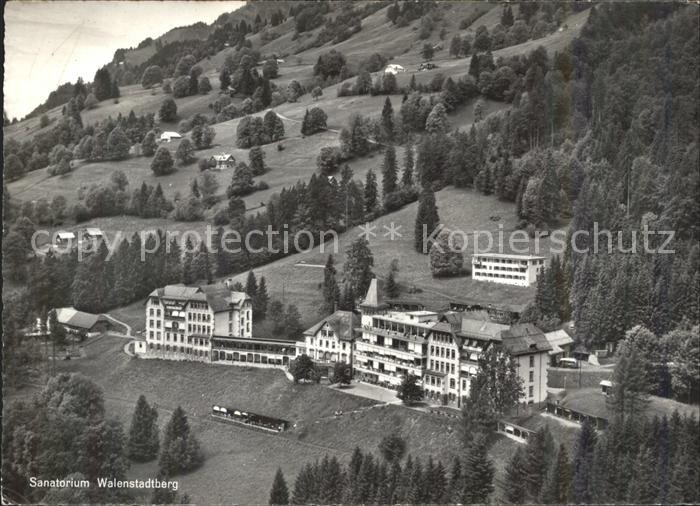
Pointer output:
x,y
518,270
223,161
181,320
390,344
394,68
532,369
331,339
168,136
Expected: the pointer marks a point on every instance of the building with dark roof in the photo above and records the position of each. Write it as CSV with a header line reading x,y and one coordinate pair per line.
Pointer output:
x,y
530,348
78,321
442,349
331,340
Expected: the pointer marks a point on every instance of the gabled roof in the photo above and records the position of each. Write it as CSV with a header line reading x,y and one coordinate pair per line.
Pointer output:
x,y
93,231
482,329
78,319
223,157
557,339
66,235
218,296
342,323
170,134
525,338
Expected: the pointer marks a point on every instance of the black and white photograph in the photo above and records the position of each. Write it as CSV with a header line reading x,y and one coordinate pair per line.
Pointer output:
x,y
347,252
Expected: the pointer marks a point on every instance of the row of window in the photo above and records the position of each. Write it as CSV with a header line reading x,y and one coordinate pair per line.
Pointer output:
x,y
181,349
508,261
439,365
440,351
199,317
199,329
504,276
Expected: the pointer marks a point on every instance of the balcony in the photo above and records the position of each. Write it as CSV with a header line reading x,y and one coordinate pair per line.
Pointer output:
x,y
365,344
389,359
418,338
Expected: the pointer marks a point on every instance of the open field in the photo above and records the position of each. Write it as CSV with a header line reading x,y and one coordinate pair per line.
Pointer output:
x,y
464,210
240,463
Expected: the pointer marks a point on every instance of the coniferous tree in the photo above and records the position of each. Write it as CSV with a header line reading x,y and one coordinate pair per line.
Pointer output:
x,y
582,487
478,472
407,176
180,451
391,288
389,172
555,489
456,483
515,491
279,495
387,120
371,195
358,266
537,454
260,300
427,220
331,291
143,434
251,285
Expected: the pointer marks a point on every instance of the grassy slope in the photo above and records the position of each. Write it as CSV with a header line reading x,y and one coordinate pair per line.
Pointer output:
x,y
464,210
240,463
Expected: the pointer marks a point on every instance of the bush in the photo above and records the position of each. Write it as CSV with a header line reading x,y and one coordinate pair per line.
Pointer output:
x,y
181,87
162,163
221,218
204,86
185,152
168,110
151,76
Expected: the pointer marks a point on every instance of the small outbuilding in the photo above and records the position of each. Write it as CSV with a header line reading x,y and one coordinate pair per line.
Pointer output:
x,y
394,68
169,136
75,321
64,239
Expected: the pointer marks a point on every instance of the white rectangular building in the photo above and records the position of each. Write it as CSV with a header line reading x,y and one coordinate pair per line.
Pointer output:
x,y
518,270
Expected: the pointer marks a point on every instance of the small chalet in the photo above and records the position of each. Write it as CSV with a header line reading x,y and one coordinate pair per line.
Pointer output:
x,y
64,239
222,161
562,345
92,234
169,136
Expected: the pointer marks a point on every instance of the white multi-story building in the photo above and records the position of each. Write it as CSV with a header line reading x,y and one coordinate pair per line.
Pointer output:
x,y
390,344
455,345
210,323
530,348
519,270
182,320
442,350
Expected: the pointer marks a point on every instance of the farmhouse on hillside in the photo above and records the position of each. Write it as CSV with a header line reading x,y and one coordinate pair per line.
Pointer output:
x,y
222,161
